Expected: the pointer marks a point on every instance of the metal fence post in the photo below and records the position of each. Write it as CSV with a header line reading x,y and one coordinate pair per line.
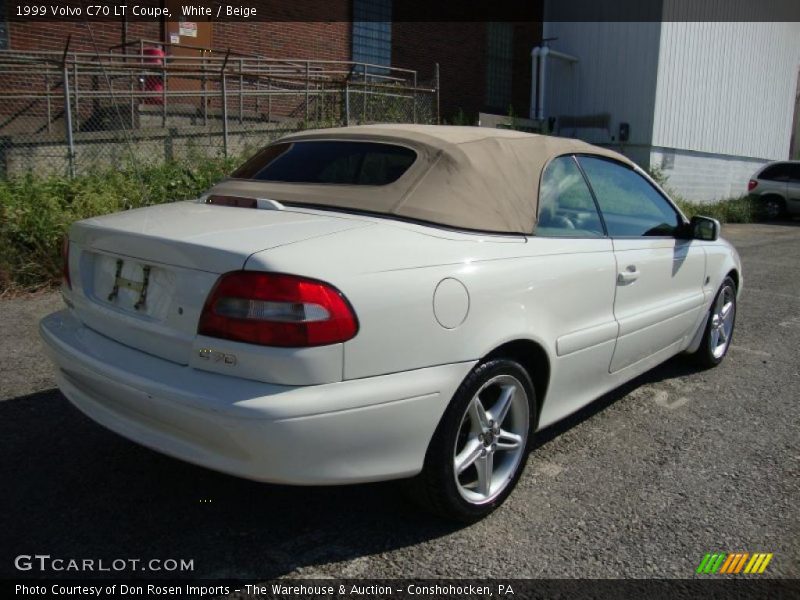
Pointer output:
x,y
132,107
224,115
241,90
436,72
347,103
164,93
224,89
364,104
414,100
49,108
308,77
68,124
258,89
75,85
205,91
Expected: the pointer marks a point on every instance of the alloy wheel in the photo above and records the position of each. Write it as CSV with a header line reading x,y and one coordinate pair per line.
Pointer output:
x,y
722,318
772,209
491,439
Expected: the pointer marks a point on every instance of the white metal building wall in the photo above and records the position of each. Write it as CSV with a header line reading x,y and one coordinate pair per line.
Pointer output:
x,y
616,74
704,177
727,88
707,102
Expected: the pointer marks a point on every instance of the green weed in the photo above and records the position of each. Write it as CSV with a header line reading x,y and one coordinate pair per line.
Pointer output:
x,y
35,212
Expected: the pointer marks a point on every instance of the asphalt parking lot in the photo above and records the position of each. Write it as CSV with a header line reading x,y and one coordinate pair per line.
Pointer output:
x,y
642,483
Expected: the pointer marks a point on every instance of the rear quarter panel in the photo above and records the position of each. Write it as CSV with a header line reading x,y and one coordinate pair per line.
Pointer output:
x,y
536,289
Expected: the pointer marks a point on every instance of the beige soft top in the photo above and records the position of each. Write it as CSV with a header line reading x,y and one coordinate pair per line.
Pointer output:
x,y
464,177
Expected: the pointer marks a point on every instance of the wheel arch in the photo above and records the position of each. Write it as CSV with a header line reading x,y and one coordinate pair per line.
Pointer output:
x,y
734,274
772,194
694,344
776,196
534,359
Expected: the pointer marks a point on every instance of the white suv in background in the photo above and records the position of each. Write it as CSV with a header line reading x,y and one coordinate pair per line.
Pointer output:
x,y
777,188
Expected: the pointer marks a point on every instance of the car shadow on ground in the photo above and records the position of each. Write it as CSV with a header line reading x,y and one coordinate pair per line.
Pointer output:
x,y
678,366
786,221
73,489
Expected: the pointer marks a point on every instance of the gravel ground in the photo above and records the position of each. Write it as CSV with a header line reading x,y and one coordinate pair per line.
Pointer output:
x,y
642,483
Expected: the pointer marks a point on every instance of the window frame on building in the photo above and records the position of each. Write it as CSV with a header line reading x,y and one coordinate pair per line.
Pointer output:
x,y
372,32
4,41
499,65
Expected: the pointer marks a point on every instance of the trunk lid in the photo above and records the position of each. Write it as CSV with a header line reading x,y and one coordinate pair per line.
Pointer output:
x,y
209,238
141,277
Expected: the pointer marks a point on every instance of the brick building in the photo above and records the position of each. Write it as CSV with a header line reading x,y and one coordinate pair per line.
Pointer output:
x,y
483,66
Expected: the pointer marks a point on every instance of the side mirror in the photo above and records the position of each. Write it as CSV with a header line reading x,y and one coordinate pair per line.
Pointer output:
x,y
704,228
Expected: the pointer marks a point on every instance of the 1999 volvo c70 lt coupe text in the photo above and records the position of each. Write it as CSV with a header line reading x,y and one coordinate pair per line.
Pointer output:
x,y
386,302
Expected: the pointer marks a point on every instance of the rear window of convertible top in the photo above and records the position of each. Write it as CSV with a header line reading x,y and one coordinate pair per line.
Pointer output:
x,y
329,162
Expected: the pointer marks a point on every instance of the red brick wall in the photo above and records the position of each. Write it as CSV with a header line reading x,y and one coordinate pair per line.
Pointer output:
x,y
321,41
52,35
460,50
277,40
458,47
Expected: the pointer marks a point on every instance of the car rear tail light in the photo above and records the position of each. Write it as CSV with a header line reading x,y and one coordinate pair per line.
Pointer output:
x,y
65,262
751,185
272,309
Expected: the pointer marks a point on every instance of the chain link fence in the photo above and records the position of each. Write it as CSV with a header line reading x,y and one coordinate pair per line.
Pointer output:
x,y
74,113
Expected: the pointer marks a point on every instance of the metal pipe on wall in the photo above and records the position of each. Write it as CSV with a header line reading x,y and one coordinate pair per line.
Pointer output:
x,y
542,82
534,78
539,56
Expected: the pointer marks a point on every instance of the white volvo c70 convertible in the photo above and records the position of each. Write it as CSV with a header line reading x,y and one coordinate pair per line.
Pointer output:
x,y
386,302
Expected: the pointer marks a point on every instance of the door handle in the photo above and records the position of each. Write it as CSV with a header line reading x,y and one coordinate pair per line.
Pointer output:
x,y
629,275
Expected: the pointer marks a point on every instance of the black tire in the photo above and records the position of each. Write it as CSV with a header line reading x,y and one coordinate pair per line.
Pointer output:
x,y
435,488
705,356
773,208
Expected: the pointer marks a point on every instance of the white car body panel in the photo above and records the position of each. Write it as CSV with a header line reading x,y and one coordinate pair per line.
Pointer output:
x,y
430,302
364,430
394,299
660,306
200,236
187,246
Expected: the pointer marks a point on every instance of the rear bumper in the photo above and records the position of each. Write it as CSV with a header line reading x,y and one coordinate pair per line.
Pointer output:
x,y
347,432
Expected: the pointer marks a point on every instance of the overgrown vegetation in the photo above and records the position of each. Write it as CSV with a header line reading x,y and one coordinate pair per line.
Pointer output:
x,y
732,210
35,212
740,209
460,118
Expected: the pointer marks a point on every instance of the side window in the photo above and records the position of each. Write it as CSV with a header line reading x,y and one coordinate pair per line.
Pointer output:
x,y
776,172
566,207
631,206
794,172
